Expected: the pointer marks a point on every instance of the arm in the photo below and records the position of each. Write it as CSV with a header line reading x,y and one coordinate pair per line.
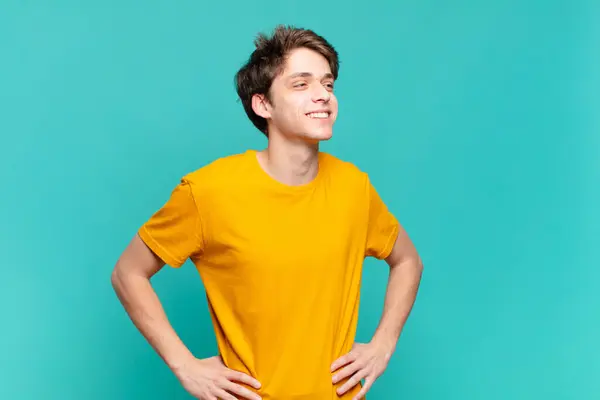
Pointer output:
x,y
368,361
406,269
203,379
131,281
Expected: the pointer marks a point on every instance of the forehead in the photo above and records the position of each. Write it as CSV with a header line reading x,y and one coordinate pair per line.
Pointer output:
x,y
304,60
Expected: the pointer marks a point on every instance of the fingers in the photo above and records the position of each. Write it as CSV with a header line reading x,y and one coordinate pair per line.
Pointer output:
x,y
346,372
243,378
223,395
240,390
364,389
343,360
353,381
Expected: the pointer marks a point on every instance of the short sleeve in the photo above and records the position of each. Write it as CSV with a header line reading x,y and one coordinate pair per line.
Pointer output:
x,y
173,232
382,227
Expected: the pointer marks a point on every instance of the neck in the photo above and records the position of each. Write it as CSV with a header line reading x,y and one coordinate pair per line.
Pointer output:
x,y
291,163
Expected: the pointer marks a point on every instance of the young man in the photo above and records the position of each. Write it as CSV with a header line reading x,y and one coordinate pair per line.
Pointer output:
x,y
278,237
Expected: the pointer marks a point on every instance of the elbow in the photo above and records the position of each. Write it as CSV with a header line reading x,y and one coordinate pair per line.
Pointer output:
x,y
116,279
419,265
414,264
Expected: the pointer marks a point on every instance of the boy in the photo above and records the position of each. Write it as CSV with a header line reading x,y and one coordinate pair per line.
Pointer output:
x,y
278,237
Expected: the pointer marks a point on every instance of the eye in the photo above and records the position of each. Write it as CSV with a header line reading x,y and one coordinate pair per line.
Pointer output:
x,y
299,84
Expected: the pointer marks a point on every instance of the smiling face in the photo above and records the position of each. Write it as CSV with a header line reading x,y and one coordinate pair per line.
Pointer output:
x,y
303,106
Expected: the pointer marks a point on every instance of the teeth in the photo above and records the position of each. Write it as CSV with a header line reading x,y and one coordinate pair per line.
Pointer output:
x,y
318,115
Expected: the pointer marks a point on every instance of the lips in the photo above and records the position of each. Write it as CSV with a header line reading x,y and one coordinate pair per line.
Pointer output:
x,y
323,114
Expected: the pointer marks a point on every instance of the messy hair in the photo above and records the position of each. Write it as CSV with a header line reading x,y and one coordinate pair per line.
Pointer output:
x,y
268,60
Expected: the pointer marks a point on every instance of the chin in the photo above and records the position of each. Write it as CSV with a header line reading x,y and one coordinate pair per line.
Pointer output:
x,y
312,137
319,136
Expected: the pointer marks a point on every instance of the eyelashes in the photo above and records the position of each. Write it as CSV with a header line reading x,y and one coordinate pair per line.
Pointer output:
x,y
301,85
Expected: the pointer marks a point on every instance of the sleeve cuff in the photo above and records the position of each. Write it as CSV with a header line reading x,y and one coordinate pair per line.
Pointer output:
x,y
160,251
389,246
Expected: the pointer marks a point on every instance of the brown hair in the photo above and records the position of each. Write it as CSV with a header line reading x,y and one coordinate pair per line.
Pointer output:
x,y
268,59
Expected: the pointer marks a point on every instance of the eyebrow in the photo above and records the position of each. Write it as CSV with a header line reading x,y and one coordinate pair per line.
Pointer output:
x,y
308,75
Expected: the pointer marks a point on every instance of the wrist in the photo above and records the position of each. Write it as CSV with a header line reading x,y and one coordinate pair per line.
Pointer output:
x,y
385,342
179,364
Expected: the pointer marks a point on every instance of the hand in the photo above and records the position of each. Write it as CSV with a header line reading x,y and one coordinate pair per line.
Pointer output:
x,y
210,379
364,361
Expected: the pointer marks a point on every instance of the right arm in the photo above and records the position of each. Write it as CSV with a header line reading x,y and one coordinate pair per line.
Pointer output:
x,y
131,281
205,379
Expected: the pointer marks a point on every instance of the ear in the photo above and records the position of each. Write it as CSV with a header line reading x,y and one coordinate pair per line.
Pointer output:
x,y
260,105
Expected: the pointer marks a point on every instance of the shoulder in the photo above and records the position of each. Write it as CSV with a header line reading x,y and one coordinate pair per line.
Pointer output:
x,y
220,171
345,171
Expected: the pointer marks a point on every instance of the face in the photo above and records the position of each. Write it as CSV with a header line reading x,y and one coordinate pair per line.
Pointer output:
x,y
303,106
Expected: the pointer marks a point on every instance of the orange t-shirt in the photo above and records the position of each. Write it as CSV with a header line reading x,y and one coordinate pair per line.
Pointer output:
x,y
281,264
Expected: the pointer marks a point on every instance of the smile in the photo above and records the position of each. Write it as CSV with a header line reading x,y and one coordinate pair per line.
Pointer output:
x,y
318,115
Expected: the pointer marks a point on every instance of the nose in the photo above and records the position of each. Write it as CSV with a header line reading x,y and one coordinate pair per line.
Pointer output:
x,y
321,94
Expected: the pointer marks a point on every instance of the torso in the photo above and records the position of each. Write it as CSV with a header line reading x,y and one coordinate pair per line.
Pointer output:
x,y
282,268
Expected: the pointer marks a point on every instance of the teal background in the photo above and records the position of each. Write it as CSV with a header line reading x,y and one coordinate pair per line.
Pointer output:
x,y
478,122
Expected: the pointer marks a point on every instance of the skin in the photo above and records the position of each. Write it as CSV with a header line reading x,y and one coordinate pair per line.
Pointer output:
x,y
304,86
291,157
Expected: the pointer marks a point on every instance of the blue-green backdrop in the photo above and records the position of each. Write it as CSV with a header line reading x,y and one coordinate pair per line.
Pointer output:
x,y
478,122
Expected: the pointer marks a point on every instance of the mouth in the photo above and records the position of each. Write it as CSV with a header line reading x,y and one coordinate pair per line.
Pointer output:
x,y
319,114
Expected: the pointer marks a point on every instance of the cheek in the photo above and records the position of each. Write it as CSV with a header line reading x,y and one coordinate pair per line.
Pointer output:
x,y
290,114
298,108
333,103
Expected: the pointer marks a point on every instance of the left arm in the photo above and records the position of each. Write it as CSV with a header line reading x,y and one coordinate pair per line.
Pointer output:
x,y
369,361
406,268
